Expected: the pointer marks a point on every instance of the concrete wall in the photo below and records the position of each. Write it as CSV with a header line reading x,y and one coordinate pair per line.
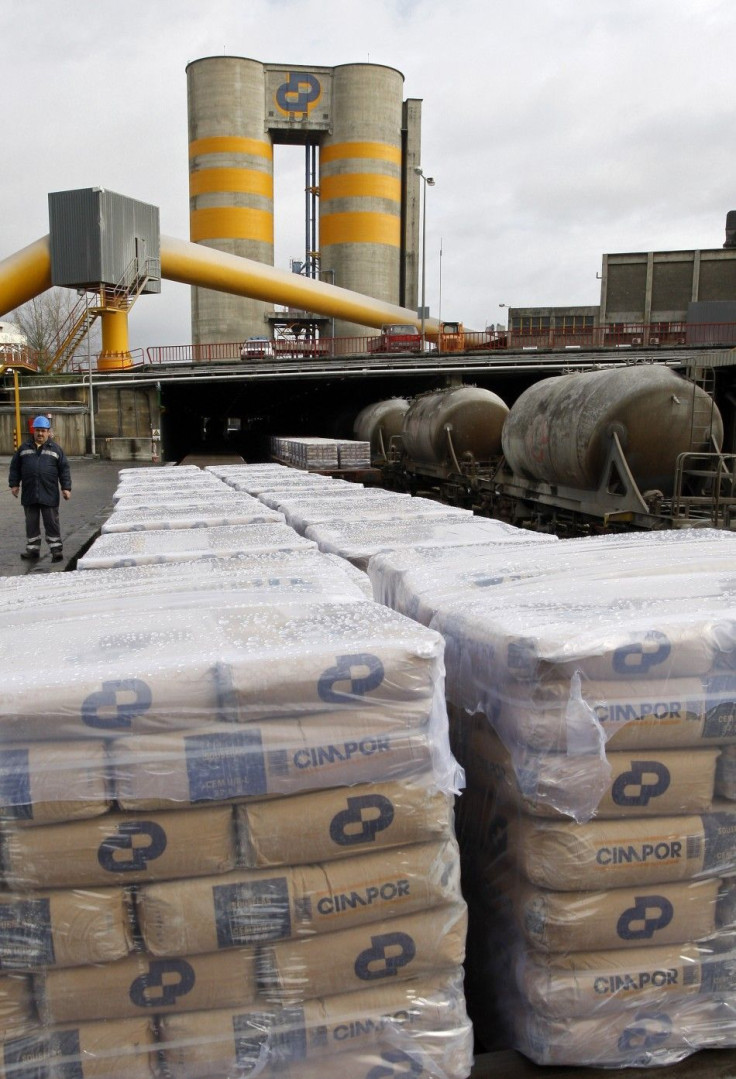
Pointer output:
x,y
123,417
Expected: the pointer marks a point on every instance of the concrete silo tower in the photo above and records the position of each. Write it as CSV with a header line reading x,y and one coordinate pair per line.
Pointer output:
x,y
362,142
230,184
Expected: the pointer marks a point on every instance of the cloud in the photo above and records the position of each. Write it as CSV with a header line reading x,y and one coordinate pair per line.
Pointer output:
x,y
556,131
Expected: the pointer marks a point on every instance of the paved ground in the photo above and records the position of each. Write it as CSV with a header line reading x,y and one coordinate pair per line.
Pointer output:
x,y
93,484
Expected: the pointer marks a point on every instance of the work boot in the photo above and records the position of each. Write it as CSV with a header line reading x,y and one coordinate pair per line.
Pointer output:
x,y
57,556
30,556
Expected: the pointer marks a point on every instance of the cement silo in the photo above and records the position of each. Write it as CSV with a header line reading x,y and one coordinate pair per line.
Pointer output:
x,y
362,145
230,185
361,183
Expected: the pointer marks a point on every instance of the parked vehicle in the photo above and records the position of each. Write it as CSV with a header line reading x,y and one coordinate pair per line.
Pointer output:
x,y
256,348
396,337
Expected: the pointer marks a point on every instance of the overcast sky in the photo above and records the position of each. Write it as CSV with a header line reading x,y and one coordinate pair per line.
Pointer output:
x,y
556,129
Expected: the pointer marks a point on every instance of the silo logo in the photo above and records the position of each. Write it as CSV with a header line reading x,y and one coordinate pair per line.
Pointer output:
x,y
300,93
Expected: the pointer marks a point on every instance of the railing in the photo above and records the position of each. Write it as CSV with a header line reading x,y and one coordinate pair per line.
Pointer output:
x,y
619,336
78,365
18,356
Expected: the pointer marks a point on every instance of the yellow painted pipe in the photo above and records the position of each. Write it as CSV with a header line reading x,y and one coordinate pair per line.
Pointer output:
x,y
195,264
25,274
28,273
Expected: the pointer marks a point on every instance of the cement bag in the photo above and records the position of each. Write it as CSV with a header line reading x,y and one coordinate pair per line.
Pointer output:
x,y
189,666
726,774
343,822
157,519
152,498
633,1038
257,579
64,928
198,1045
620,918
16,1002
141,985
414,946
49,782
653,783
222,763
252,906
186,545
120,849
394,507
359,541
586,983
106,1050
598,855
651,714
420,582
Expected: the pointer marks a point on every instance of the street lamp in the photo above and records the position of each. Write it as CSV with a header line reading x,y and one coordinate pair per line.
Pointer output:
x,y
428,182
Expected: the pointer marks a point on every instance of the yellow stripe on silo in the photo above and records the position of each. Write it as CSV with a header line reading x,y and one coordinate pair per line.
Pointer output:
x,y
231,223
359,228
381,151
247,181
360,184
231,144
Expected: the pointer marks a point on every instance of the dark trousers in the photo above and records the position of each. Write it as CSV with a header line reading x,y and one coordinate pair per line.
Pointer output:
x,y
50,515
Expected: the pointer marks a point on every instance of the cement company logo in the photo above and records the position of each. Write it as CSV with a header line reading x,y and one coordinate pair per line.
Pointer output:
x,y
299,94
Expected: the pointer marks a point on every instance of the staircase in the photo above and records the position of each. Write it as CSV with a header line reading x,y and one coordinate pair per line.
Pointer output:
x,y
82,317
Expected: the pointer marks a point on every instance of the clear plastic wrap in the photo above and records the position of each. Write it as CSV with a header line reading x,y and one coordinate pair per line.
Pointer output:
x,y
391,508
592,697
359,541
234,512
226,826
179,545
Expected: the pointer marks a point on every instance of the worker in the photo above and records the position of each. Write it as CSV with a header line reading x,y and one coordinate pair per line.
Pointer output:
x,y
39,466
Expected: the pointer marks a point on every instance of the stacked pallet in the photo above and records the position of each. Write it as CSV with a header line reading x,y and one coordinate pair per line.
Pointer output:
x,y
308,453
353,454
226,827
593,704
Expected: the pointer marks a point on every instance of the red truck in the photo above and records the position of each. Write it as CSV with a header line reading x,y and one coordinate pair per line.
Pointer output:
x,y
396,337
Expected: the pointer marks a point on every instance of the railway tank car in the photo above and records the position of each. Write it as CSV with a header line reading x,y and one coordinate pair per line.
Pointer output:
x,y
637,446
449,433
561,430
380,424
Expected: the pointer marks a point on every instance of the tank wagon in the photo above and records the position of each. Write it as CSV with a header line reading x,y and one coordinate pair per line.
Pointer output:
x,y
380,424
631,447
448,438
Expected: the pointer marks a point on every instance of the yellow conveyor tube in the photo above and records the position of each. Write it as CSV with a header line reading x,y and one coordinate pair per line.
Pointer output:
x,y
28,273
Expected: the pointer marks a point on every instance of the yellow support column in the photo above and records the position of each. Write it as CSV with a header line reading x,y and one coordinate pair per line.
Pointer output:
x,y
115,353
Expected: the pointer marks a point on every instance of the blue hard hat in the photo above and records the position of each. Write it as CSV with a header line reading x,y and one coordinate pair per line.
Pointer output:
x,y
41,421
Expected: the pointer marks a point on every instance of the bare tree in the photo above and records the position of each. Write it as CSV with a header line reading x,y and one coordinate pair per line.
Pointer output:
x,y
46,320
